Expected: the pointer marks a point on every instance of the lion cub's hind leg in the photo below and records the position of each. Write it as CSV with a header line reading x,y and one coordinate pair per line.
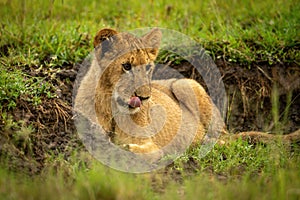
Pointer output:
x,y
193,96
211,122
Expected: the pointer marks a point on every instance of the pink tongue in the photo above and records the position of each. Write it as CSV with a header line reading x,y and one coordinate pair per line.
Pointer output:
x,y
135,102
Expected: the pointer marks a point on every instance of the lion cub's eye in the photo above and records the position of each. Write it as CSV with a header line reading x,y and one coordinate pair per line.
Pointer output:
x,y
126,66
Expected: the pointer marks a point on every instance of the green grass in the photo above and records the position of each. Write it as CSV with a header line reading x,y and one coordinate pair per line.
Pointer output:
x,y
98,183
53,33
47,36
14,84
239,171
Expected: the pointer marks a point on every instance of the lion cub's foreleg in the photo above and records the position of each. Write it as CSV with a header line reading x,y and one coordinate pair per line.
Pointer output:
x,y
142,148
150,150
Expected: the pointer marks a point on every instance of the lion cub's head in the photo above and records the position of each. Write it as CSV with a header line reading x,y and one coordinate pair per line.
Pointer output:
x,y
127,62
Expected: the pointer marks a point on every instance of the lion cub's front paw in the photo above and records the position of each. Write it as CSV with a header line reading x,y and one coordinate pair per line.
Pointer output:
x,y
149,151
144,148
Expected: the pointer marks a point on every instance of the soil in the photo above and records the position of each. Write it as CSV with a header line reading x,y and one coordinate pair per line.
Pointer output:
x,y
249,93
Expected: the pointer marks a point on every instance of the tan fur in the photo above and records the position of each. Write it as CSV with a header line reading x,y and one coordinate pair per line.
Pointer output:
x,y
173,107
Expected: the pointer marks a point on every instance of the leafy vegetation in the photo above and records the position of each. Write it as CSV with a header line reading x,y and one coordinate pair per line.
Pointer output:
x,y
14,84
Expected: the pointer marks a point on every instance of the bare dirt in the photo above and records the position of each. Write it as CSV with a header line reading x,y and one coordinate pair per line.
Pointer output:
x,y
249,94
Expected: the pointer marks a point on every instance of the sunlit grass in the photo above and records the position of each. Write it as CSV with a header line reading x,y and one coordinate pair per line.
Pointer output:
x,y
240,31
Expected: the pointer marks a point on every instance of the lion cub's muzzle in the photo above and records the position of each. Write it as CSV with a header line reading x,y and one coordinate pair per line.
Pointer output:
x,y
135,90
133,102
139,98
136,101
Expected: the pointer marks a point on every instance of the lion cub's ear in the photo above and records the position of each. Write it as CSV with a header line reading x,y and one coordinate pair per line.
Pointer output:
x,y
152,41
103,35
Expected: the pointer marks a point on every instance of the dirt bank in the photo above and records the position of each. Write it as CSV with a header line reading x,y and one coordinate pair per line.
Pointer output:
x,y
251,95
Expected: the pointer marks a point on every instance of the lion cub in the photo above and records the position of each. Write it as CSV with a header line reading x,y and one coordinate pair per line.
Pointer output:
x,y
141,114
